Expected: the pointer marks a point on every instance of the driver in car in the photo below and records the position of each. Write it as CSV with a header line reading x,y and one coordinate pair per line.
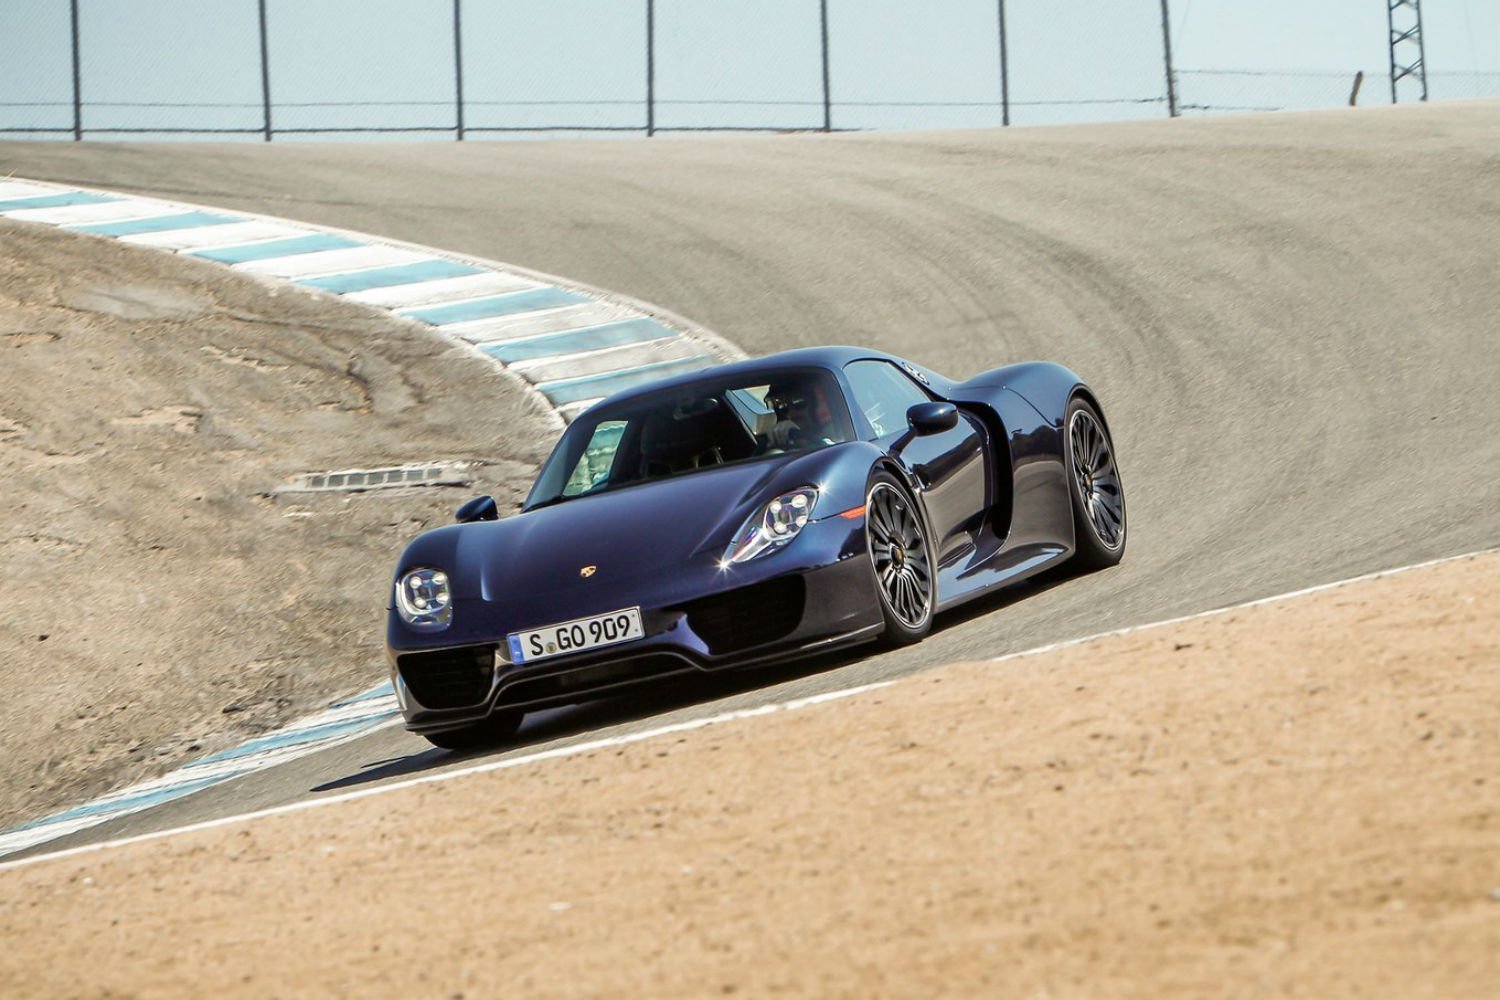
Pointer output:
x,y
802,416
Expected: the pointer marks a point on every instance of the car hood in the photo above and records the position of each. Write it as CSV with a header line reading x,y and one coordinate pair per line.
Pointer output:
x,y
633,531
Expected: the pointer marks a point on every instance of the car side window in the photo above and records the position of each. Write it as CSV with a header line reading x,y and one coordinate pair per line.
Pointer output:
x,y
883,394
594,464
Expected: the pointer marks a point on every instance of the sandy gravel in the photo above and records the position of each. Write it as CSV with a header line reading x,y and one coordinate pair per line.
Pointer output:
x,y
1296,799
158,598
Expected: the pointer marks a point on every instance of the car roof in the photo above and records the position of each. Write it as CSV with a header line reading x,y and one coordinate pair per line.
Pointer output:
x,y
805,357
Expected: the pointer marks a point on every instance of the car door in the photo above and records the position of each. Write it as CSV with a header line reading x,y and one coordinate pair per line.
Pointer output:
x,y
950,466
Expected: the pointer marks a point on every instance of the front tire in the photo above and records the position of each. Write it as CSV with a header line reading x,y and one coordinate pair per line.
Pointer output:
x,y
901,560
499,727
1094,485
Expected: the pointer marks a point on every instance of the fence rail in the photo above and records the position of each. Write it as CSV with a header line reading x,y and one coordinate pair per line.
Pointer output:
x,y
632,99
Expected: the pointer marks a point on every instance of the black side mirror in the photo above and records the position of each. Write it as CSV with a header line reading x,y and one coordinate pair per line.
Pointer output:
x,y
479,509
932,418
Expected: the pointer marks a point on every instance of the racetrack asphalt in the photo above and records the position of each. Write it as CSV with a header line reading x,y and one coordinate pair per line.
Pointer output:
x,y
1290,320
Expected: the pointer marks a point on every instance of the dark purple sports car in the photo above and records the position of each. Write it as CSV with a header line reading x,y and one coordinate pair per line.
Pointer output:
x,y
744,514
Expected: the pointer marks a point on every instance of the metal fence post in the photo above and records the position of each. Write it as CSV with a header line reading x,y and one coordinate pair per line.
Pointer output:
x,y
1421,49
1166,44
77,78
458,68
650,68
1402,66
265,72
1391,26
827,97
1004,70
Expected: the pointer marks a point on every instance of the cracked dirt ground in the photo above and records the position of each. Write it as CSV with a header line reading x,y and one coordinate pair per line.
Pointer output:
x,y
159,600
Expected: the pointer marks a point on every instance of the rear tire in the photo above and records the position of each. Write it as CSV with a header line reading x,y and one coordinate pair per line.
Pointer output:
x,y
900,560
1094,485
499,727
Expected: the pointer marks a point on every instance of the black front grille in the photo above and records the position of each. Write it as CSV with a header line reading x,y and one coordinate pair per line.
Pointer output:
x,y
749,616
449,678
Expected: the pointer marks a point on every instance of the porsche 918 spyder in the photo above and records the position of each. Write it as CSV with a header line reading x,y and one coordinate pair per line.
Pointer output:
x,y
746,514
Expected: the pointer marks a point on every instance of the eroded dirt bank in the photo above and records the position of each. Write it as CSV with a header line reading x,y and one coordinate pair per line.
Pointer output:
x,y
1292,799
158,598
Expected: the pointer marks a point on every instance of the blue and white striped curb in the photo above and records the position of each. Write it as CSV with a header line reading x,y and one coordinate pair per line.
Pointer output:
x,y
338,724
572,344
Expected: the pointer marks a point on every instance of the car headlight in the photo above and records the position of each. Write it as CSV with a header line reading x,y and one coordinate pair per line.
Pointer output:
x,y
423,598
775,524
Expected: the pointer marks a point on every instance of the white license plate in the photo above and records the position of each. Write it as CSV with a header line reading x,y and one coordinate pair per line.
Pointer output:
x,y
576,635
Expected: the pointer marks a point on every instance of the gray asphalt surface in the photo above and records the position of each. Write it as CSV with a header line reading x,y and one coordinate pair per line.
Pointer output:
x,y
1290,319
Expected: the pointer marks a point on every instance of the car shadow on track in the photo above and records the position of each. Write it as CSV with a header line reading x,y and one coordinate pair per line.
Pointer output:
x,y
546,726
663,697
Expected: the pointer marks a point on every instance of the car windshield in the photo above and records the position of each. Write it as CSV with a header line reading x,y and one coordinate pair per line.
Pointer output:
x,y
682,430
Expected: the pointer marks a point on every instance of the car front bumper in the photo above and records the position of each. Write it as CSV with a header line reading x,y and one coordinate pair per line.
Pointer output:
x,y
748,615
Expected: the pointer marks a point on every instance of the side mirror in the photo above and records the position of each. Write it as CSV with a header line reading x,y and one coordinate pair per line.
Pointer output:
x,y
479,509
932,418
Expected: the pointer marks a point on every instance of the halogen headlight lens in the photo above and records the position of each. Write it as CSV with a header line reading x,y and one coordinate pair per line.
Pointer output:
x,y
423,598
775,524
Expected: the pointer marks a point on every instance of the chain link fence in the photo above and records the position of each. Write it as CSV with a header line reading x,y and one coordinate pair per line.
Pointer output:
x,y
466,69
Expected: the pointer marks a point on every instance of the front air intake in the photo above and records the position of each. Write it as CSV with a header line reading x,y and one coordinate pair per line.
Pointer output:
x,y
750,616
449,678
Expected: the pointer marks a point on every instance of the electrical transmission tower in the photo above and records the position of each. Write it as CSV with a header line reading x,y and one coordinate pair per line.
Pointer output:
x,y
1404,18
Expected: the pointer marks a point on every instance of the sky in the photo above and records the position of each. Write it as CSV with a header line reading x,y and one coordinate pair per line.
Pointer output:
x,y
148,64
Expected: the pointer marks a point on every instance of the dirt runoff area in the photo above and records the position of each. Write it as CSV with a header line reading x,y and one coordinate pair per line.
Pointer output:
x,y
1292,799
161,595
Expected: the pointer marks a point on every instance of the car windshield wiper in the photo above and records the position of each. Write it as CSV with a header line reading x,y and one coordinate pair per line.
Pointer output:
x,y
551,501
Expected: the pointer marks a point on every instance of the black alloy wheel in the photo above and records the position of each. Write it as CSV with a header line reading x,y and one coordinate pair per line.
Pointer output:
x,y
901,560
1098,495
